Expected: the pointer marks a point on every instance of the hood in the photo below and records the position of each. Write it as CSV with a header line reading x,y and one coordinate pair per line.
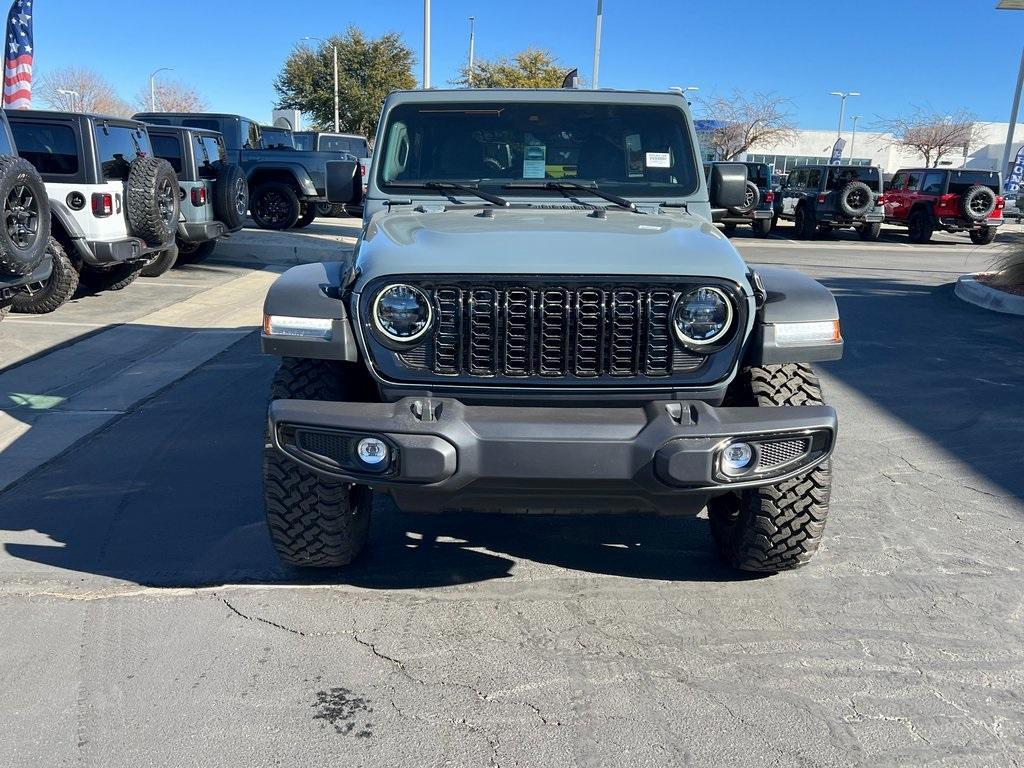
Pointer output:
x,y
532,241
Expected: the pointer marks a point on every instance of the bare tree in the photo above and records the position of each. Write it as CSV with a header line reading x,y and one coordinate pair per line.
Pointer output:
x,y
743,122
171,96
77,89
932,135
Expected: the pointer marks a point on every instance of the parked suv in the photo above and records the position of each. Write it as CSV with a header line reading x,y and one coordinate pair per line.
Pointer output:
x,y
926,199
512,340
25,262
113,205
284,185
821,198
214,193
758,207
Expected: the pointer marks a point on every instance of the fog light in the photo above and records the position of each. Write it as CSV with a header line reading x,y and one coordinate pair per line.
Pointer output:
x,y
736,458
372,451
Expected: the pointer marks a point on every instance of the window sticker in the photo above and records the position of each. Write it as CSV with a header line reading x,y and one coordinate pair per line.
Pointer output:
x,y
534,160
658,160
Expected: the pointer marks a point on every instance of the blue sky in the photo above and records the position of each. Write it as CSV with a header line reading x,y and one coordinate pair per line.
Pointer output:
x,y
232,50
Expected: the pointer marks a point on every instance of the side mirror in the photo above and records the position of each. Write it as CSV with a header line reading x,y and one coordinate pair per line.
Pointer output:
x,y
344,181
727,185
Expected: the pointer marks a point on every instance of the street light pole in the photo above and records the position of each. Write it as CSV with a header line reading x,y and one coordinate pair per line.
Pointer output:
x,y
334,47
597,40
152,86
73,95
426,44
853,139
843,95
472,21
1004,168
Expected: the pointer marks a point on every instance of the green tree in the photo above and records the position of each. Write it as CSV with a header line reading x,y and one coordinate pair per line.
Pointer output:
x,y
531,68
368,70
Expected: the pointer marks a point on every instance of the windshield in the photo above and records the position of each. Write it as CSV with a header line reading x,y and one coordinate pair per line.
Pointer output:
x,y
961,181
760,174
355,146
275,138
117,146
629,150
843,175
305,141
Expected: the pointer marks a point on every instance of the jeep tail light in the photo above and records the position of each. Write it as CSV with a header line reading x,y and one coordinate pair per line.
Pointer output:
x,y
1000,202
102,204
822,197
880,200
769,197
198,196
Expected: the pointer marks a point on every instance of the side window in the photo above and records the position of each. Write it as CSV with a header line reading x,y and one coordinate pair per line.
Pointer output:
x,y
206,123
813,178
50,147
251,137
933,184
899,181
167,148
914,181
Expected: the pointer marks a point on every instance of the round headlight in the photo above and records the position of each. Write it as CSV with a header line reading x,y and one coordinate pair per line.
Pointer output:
x,y
702,316
402,313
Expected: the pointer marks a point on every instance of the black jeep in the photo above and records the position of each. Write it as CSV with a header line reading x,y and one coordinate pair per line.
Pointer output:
x,y
758,206
821,198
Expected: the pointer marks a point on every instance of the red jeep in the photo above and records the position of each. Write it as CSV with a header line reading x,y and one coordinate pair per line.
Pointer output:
x,y
926,199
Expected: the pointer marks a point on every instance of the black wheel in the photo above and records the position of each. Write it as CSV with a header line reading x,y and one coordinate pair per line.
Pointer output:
x,y
983,236
775,222
920,227
729,229
151,200
855,199
750,201
870,232
804,224
977,203
51,294
314,522
308,214
230,196
275,205
762,227
776,527
113,279
26,217
330,210
193,253
161,263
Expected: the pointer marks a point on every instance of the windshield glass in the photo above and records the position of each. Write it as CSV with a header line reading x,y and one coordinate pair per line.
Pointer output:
x,y
841,176
629,150
354,145
305,141
961,181
760,174
117,146
275,138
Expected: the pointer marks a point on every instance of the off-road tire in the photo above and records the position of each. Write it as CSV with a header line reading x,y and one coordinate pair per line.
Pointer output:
x,y
113,279
753,197
285,203
762,227
5,308
23,206
193,253
870,232
230,196
55,290
330,210
152,200
853,193
920,227
729,229
308,214
314,522
776,527
164,262
804,224
983,236
977,203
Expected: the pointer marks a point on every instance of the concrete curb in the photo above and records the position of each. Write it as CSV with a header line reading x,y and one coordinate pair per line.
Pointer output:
x,y
970,290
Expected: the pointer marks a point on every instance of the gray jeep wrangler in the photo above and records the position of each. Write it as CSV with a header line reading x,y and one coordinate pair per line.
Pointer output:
x,y
540,316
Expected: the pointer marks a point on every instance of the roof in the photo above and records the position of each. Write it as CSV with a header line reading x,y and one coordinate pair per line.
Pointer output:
x,y
153,128
57,114
216,115
551,95
331,133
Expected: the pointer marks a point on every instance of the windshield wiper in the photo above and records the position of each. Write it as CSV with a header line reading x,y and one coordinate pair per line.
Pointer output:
x,y
561,186
440,186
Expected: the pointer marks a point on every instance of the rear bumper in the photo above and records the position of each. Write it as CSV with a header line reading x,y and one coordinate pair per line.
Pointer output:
x,y
966,225
663,456
200,231
12,284
836,219
106,253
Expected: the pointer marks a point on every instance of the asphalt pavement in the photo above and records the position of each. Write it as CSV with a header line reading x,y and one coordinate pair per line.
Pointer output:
x,y
144,619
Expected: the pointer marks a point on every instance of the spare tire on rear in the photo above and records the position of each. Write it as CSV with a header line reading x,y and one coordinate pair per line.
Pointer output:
x,y
753,197
231,196
856,199
152,200
977,203
25,229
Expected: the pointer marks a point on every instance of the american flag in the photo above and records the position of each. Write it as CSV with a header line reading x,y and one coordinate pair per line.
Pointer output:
x,y
18,62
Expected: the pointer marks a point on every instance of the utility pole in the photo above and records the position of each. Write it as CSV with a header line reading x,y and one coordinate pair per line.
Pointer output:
x,y
152,86
472,20
426,44
73,95
1004,168
853,139
843,95
597,40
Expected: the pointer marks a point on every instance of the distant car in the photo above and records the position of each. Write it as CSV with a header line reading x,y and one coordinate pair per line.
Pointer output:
x,y
1011,208
953,200
277,138
757,210
821,198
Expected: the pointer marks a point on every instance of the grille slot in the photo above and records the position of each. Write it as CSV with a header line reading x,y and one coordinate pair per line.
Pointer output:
x,y
779,452
557,331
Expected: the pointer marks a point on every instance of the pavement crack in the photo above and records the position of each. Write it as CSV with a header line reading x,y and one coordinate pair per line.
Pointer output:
x,y
260,619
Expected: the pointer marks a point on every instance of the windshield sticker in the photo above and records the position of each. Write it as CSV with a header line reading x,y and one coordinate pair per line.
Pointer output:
x,y
534,160
658,160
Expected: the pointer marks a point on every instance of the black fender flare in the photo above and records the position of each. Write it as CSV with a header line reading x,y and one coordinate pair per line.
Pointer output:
x,y
311,291
787,296
296,170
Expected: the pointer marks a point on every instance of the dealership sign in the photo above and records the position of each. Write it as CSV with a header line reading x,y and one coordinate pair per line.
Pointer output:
x,y
837,152
1015,174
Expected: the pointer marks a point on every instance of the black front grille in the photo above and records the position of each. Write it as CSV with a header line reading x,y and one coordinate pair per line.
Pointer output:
x,y
556,331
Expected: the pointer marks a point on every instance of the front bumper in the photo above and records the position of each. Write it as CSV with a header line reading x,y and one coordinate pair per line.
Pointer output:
x,y
746,218
201,231
663,456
